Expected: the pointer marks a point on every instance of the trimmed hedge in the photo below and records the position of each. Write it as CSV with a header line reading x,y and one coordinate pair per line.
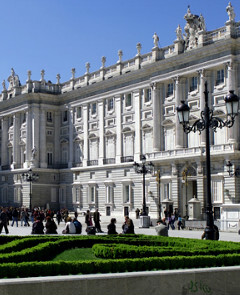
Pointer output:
x,y
174,253
34,269
110,251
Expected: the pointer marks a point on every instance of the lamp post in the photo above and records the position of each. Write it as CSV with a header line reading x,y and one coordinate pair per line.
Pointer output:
x,y
144,168
231,172
185,175
30,177
206,122
158,179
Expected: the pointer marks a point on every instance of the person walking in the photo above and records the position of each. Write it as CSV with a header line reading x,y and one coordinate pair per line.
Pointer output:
x,y
96,219
4,221
23,217
15,217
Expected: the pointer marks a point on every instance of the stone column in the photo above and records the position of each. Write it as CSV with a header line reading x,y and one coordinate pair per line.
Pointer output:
x,y
137,114
43,147
70,137
57,145
35,137
85,132
118,103
4,148
157,117
203,79
179,133
231,85
16,139
29,138
101,132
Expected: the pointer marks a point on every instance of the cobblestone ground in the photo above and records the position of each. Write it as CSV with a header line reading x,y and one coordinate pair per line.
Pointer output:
x,y
194,234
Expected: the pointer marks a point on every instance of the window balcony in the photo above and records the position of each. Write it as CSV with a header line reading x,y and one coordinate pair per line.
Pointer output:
x,y
109,161
127,159
92,163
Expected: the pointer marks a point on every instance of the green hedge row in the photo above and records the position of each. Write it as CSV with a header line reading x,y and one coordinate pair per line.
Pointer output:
x,y
110,251
33,269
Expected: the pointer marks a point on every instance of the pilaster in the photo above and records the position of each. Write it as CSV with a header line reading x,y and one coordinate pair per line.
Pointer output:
x,y
70,141
231,85
85,129
118,103
157,117
4,140
101,132
43,149
137,107
16,139
179,133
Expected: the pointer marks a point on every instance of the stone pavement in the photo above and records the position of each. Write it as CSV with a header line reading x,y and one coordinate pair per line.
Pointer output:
x,y
105,220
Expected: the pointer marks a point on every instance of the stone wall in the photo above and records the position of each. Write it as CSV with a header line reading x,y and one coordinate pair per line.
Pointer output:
x,y
220,281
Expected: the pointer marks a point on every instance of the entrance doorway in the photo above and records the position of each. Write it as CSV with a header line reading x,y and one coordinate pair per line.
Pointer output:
x,y
189,190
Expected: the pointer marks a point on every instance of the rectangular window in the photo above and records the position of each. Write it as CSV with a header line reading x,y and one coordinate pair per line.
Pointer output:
x,y
65,116
220,77
148,95
79,112
128,102
166,191
110,104
94,109
217,191
49,159
49,116
53,195
109,194
127,193
170,89
77,195
62,195
92,194
193,84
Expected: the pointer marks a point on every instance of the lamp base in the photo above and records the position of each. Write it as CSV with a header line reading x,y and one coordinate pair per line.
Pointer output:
x,y
144,221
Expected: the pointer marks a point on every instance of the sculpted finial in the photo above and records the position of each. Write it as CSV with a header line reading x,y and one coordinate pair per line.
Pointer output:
x,y
120,54
139,47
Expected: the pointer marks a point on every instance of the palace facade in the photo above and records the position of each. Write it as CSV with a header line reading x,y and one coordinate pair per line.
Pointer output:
x,y
82,136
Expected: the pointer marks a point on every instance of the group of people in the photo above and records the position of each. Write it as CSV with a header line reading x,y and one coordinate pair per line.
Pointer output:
x,y
43,221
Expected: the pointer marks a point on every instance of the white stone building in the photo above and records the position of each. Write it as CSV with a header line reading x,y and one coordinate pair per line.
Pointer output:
x,y
82,136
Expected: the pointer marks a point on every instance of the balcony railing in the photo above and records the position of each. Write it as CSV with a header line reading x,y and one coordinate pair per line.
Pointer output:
x,y
109,161
127,159
6,167
92,162
77,164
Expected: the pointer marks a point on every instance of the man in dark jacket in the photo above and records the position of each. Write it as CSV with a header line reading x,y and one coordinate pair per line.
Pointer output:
x,y
96,218
3,221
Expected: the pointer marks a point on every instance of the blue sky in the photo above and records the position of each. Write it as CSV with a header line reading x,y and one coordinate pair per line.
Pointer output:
x,y
58,35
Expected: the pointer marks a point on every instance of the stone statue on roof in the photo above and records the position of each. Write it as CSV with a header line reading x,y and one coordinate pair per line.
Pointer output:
x,y
194,25
13,80
179,33
155,40
230,11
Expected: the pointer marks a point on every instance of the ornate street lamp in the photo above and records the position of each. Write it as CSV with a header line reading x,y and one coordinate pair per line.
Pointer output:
x,y
231,172
30,177
206,122
143,168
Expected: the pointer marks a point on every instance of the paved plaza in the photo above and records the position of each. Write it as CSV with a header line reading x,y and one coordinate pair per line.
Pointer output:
x,y
195,234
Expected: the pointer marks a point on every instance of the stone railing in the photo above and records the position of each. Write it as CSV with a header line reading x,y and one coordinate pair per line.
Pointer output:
x,y
123,67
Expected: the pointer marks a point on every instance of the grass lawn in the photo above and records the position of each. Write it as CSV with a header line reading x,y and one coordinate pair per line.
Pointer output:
x,y
76,254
